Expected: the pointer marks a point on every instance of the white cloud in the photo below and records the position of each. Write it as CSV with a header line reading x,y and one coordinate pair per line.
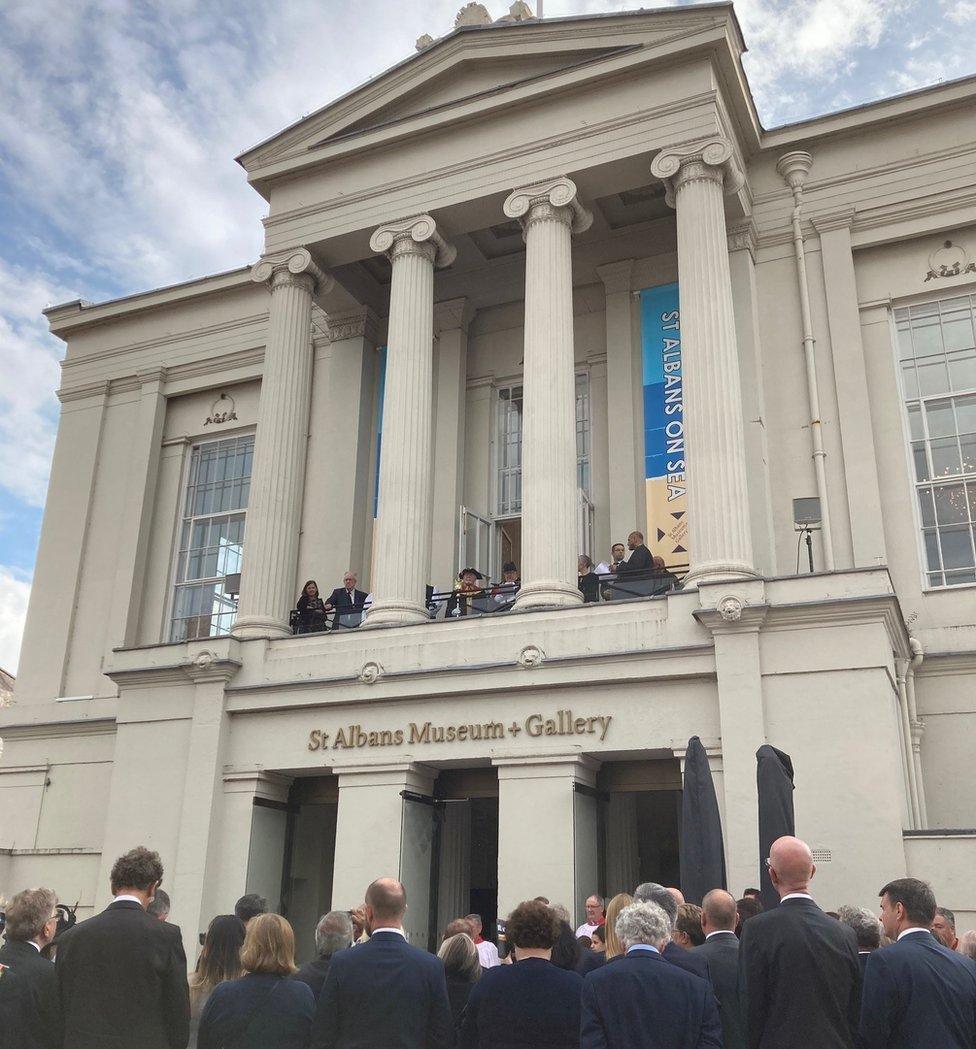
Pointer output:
x,y
14,592
962,11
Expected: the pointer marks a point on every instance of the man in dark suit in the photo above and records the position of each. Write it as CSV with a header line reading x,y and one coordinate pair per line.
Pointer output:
x,y
640,559
29,989
122,974
721,952
638,1001
867,930
333,933
799,978
347,602
384,992
651,891
917,992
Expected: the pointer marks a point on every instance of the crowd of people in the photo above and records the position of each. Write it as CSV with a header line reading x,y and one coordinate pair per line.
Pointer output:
x,y
646,970
472,592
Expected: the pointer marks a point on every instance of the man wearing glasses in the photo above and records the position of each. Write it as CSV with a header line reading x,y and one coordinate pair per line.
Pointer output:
x,y
28,987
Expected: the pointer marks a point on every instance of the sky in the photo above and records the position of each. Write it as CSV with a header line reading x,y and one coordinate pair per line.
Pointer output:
x,y
120,120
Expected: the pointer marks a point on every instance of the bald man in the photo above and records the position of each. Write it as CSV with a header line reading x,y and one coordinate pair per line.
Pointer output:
x,y
386,992
721,951
799,977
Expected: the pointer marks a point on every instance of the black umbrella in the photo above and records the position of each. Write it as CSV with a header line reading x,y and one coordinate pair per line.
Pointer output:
x,y
702,853
774,779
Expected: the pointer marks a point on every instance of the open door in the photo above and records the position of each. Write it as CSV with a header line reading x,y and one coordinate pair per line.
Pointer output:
x,y
587,846
584,526
418,866
476,543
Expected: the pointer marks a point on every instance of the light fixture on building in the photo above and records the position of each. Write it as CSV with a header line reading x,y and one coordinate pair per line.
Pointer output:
x,y
806,520
232,584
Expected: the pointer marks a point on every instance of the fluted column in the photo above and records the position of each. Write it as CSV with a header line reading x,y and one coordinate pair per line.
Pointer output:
x,y
697,177
278,472
402,559
550,213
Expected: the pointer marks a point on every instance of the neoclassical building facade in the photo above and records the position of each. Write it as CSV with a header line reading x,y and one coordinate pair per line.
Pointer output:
x,y
541,284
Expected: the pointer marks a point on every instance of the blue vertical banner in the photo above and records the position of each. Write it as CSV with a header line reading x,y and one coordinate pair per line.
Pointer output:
x,y
664,424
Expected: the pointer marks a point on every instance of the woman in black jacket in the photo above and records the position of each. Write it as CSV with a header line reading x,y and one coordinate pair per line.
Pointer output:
x,y
463,970
265,1008
311,610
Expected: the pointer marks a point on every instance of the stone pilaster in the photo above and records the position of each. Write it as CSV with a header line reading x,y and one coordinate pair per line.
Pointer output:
x,y
720,543
402,558
550,213
278,473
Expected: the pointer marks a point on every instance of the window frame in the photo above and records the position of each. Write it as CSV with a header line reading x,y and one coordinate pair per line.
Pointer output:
x,y
915,486
191,444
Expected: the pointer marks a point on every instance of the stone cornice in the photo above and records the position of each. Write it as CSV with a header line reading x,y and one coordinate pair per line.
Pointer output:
x,y
742,237
361,323
555,193
616,276
842,218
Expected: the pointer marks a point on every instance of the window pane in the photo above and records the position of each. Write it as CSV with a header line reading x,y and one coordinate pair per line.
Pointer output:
x,y
935,579
932,551
950,504
909,380
966,414
945,457
915,422
940,417
933,377
971,489
905,350
957,328
962,369
966,575
968,448
926,509
927,336
921,461
957,547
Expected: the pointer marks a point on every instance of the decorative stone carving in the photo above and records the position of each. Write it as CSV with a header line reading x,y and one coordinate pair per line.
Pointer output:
x,y
712,159
730,609
370,673
531,202
423,42
418,234
292,267
949,260
221,411
204,660
518,12
355,324
742,237
531,656
472,14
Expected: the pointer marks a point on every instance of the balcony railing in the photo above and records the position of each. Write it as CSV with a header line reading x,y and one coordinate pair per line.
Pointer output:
x,y
499,598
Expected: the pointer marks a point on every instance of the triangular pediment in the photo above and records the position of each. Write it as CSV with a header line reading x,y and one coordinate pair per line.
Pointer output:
x,y
486,65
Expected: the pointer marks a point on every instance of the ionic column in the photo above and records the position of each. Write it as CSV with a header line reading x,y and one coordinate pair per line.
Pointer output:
x,y
696,178
278,473
402,546
550,213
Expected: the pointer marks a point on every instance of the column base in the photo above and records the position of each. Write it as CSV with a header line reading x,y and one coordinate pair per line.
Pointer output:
x,y
259,626
395,613
719,572
547,594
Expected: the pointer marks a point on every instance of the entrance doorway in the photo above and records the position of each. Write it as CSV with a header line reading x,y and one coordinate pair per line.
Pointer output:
x,y
641,824
449,854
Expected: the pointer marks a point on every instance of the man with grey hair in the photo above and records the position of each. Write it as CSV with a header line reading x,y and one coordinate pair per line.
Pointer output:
x,y
29,990
944,928
333,933
159,906
652,892
867,929
639,1002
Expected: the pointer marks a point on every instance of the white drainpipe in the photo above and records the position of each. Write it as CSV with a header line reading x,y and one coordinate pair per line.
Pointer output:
x,y
918,654
901,676
794,168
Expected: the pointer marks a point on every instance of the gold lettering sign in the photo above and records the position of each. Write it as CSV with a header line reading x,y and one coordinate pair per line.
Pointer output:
x,y
562,723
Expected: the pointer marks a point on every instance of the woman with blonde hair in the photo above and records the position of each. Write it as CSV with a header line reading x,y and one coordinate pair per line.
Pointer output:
x,y
614,907
265,1008
462,967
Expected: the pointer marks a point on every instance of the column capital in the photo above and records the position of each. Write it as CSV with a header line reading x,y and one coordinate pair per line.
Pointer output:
x,y
292,267
453,314
416,235
742,236
616,276
545,199
361,323
711,159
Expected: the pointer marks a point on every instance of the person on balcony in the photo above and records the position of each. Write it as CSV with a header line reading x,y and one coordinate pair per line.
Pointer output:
x,y
466,590
503,593
347,602
311,610
640,559
612,567
589,581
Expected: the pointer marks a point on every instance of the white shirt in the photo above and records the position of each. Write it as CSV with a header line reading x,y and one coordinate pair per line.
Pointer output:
x,y
587,929
914,928
389,928
488,954
796,896
35,946
134,899
642,947
720,932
